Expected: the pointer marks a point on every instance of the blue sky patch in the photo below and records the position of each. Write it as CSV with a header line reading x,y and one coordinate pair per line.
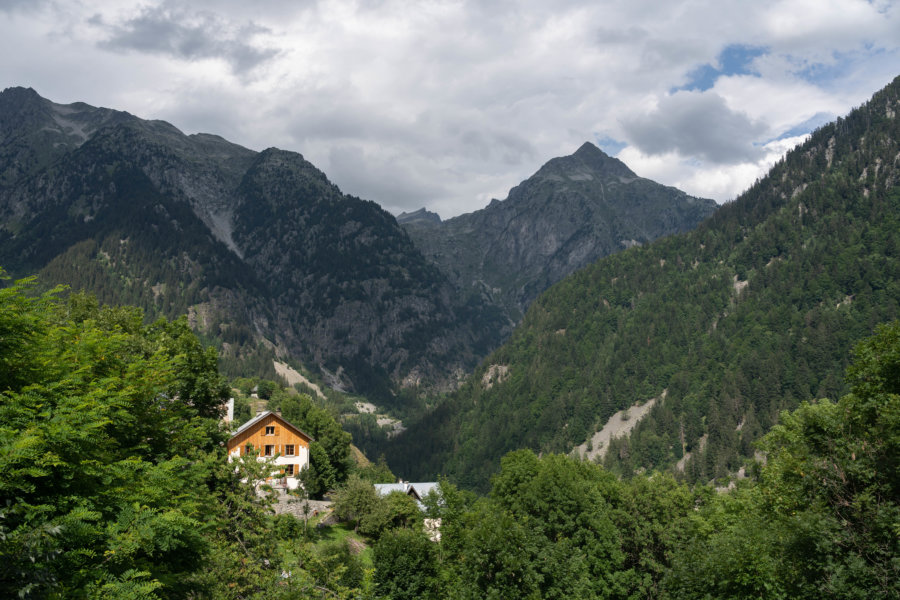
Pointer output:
x,y
735,59
824,75
807,126
609,145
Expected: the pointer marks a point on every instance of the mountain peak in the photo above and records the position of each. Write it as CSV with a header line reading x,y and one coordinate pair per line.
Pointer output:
x,y
589,149
20,93
597,160
17,102
588,163
422,215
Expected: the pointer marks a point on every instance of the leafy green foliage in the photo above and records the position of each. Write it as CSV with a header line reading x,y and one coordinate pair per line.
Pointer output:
x,y
113,476
822,522
406,565
355,500
394,511
92,430
372,515
377,472
552,527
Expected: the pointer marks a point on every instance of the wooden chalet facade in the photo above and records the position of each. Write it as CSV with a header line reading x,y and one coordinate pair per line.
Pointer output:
x,y
277,440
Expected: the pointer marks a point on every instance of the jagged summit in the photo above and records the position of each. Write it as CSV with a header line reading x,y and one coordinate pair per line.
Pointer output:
x,y
20,94
574,210
423,215
593,157
587,163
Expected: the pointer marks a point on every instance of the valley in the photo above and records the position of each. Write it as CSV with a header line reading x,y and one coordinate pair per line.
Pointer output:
x,y
623,390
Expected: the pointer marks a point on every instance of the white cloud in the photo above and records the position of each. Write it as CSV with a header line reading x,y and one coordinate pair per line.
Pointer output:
x,y
447,103
720,182
698,124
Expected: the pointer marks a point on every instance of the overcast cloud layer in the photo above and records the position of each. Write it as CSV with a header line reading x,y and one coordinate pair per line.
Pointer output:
x,y
447,104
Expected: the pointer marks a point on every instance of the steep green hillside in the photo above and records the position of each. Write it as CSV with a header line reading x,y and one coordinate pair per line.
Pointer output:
x,y
746,316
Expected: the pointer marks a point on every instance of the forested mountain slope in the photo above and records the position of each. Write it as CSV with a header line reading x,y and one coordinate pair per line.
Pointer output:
x,y
748,315
574,210
259,248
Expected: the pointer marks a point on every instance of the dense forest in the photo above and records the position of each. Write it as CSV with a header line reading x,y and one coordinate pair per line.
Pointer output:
x,y
818,519
114,484
748,315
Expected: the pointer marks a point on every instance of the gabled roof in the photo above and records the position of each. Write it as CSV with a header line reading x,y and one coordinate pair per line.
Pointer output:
x,y
417,490
249,424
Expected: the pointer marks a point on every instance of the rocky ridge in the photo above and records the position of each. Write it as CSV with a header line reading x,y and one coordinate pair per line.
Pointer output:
x,y
271,253
572,211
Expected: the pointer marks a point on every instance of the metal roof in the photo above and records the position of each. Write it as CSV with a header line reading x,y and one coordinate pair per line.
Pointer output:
x,y
420,490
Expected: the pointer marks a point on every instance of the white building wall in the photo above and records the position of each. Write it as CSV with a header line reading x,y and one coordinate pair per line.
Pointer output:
x,y
301,458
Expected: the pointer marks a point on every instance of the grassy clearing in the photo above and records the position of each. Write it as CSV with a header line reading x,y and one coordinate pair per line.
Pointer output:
x,y
344,532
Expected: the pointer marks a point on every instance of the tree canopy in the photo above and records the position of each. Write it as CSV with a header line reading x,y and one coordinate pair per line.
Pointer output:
x,y
113,477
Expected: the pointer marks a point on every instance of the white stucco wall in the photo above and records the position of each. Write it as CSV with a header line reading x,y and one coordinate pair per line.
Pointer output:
x,y
301,458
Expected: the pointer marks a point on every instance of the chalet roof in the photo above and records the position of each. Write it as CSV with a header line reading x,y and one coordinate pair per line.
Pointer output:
x,y
424,487
249,424
418,490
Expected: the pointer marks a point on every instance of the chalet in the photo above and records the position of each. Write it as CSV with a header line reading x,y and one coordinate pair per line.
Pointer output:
x,y
286,445
418,491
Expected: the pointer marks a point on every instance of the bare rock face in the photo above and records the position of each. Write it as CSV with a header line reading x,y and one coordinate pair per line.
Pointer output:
x,y
574,210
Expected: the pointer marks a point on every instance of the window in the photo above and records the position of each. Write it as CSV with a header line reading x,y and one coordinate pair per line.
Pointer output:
x,y
289,450
270,450
270,430
289,470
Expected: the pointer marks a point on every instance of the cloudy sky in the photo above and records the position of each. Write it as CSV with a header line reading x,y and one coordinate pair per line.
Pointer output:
x,y
447,104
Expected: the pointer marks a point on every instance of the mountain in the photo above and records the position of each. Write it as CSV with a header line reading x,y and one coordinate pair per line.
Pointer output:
x,y
574,210
264,254
418,216
721,328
